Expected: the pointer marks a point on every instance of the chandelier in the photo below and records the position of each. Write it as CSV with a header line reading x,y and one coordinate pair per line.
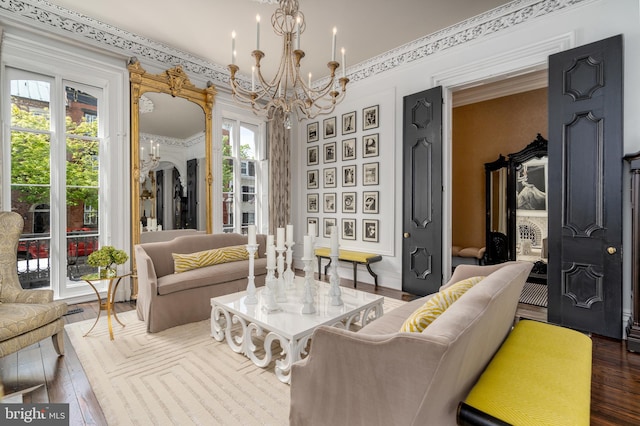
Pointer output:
x,y
151,163
287,91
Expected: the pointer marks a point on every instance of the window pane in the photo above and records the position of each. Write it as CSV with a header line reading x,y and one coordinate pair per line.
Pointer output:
x,y
82,164
30,163
82,112
30,104
82,230
248,134
32,203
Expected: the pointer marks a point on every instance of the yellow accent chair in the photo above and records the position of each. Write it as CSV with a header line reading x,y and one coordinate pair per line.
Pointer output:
x,y
26,316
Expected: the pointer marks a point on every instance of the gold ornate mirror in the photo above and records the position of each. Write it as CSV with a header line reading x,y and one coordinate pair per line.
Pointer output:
x,y
174,88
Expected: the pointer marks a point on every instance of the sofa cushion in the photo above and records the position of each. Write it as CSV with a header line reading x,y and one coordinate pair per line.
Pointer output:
x,y
20,318
188,261
435,306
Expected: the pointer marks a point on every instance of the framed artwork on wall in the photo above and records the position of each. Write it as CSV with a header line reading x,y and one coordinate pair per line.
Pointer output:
x,y
314,221
312,203
370,230
370,202
330,152
370,117
348,202
349,149
348,229
329,202
370,145
328,223
330,177
348,123
370,173
312,156
312,132
329,126
313,179
349,175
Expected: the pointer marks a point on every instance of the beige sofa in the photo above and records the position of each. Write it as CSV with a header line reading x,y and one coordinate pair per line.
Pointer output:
x,y
380,376
167,299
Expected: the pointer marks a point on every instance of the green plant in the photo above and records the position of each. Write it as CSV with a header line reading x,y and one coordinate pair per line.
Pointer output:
x,y
107,256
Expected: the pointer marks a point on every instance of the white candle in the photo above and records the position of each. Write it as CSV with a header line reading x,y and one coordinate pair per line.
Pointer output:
x,y
253,78
252,234
334,241
311,229
298,33
269,240
257,32
308,247
344,64
289,235
333,44
280,237
271,257
233,47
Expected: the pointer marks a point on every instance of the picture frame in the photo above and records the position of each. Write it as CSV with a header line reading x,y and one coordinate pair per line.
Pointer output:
x,y
370,172
313,158
370,117
349,149
329,127
312,203
531,186
370,230
349,123
312,132
348,229
329,205
329,180
349,204
313,179
370,145
349,175
370,202
330,152
313,220
327,224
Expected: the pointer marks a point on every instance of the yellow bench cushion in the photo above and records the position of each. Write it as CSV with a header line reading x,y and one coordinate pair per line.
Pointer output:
x,y
541,375
351,256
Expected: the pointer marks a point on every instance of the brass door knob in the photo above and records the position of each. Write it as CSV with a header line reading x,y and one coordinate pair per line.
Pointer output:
x,y
406,235
611,250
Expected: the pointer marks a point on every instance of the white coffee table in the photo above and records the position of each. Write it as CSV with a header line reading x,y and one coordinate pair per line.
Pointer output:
x,y
289,327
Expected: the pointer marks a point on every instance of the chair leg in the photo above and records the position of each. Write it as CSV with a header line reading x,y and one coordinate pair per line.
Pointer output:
x,y
58,342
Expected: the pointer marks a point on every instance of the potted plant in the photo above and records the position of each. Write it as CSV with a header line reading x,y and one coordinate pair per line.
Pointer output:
x,y
106,259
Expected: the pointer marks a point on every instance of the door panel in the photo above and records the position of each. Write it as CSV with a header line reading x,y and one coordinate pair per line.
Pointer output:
x,y
422,192
585,194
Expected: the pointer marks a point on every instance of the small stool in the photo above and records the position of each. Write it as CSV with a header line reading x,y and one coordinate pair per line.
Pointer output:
x,y
355,257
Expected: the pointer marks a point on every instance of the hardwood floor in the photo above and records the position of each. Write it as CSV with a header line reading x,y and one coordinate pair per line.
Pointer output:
x,y
615,387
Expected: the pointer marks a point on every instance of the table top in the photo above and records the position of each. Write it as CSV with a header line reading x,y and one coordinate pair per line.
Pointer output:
x,y
96,276
290,322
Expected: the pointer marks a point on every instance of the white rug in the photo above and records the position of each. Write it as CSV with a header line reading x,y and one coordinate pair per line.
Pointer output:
x,y
180,376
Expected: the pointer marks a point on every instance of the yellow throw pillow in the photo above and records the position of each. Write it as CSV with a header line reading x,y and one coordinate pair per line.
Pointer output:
x,y
188,261
434,307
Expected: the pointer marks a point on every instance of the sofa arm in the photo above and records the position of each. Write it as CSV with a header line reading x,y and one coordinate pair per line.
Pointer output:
x,y
462,272
351,378
147,283
34,296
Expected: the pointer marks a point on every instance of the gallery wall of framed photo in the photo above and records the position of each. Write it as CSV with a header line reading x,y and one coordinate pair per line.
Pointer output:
x,y
346,162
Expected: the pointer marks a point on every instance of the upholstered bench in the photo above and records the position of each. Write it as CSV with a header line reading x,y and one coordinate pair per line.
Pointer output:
x,y
541,375
355,257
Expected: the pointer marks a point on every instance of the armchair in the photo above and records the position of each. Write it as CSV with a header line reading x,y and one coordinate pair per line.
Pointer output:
x,y
26,316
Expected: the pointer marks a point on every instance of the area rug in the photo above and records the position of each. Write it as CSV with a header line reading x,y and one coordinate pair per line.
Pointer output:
x,y
534,294
180,376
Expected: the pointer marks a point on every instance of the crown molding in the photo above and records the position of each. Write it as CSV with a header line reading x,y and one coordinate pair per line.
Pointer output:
x,y
55,19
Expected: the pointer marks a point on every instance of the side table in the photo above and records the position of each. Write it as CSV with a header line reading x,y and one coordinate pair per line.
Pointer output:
x,y
107,305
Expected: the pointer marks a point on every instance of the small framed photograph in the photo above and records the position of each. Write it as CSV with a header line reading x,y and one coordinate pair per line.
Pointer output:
x,y
348,229
348,202
328,223
313,179
370,145
370,230
329,202
349,149
329,126
330,152
370,117
312,132
370,173
349,175
329,178
312,203
349,123
370,202
313,221
312,156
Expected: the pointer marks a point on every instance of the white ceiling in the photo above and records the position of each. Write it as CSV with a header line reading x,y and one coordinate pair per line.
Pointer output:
x,y
366,28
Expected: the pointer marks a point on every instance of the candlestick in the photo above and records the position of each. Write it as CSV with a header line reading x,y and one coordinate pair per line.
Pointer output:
x,y
333,44
251,298
308,306
308,247
334,241
252,234
344,63
280,295
288,273
311,230
271,256
253,78
257,32
233,47
280,238
335,294
269,292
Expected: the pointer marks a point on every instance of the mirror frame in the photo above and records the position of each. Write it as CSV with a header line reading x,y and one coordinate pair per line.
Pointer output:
x,y
500,163
176,83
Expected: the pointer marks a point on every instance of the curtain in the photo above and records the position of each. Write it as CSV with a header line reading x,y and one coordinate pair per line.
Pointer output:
x,y
279,171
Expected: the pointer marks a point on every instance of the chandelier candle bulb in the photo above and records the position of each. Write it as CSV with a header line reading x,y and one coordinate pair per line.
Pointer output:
x,y
333,45
298,34
257,32
280,237
344,63
309,85
233,47
252,234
